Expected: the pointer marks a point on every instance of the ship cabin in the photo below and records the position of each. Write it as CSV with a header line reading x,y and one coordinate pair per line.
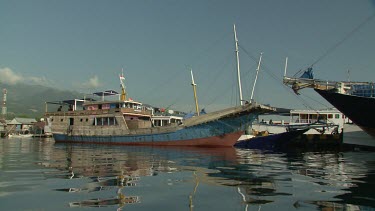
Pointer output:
x,y
91,112
329,116
164,120
135,114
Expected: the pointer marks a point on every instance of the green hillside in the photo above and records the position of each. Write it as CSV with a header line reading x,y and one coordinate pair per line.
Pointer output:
x,y
29,100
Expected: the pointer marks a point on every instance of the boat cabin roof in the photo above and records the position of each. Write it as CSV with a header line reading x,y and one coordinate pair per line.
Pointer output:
x,y
106,93
71,102
328,111
111,102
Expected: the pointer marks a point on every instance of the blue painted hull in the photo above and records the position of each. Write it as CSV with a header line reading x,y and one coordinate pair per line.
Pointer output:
x,y
271,141
221,132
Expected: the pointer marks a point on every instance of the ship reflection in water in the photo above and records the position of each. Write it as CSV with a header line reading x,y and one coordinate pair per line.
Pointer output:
x,y
146,178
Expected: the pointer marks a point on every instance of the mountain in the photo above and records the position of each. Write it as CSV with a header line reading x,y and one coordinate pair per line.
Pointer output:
x,y
25,100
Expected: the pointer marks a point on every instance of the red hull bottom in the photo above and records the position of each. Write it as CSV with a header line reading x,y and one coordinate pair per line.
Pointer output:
x,y
227,140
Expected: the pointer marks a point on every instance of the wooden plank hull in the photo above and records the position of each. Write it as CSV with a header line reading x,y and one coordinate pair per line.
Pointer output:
x,y
220,133
226,140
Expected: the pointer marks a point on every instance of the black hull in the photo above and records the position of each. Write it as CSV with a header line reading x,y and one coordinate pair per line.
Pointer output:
x,y
361,110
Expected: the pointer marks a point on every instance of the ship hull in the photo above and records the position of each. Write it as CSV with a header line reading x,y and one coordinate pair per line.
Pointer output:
x,y
222,132
226,140
358,109
273,141
354,135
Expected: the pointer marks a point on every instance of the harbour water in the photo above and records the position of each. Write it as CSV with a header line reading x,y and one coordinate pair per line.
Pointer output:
x,y
37,174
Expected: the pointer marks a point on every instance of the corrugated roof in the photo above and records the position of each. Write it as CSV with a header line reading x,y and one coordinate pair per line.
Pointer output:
x,y
26,120
19,121
13,122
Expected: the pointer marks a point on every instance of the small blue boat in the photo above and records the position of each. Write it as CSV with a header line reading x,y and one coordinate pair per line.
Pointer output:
x,y
273,141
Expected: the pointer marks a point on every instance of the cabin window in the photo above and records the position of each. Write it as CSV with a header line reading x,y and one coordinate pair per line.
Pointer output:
x,y
112,121
62,120
337,116
92,107
99,121
322,117
105,121
81,120
330,116
313,116
303,118
106,106
52,120
87,119
157,123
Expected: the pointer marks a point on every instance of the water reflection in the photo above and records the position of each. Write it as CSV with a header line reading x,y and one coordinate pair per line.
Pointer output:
x,y
107,167
112,177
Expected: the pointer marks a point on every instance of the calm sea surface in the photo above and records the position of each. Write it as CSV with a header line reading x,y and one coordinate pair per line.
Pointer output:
x,y
41,175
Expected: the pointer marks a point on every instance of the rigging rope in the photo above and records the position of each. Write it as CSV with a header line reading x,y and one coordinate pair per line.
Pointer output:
x,y
332,48
279,80
344,39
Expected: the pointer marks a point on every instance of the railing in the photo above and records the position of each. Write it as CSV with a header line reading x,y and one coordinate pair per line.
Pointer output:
x,y
112,130
363,88
98,112
305,120
300,83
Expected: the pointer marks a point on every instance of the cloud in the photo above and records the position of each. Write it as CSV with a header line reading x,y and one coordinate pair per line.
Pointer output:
x,y
40,81
92,83
7,76
10,77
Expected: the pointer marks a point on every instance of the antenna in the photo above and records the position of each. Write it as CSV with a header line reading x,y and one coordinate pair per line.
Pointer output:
x,y
348,75
4,105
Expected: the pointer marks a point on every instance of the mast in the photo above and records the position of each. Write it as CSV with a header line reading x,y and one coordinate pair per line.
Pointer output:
x,y
286,66
256,77
122,82
195,92
238,64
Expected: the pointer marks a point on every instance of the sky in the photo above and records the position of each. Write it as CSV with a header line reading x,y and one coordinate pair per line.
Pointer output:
x,y
83,46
